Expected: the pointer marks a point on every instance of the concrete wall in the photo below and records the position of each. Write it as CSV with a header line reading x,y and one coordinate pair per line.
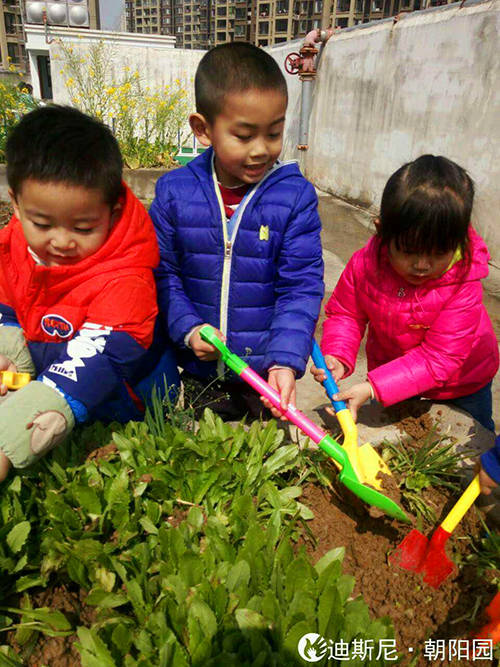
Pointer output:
x,y
157,66
388,92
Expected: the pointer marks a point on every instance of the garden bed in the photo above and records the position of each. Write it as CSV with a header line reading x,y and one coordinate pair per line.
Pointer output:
x,y
206,532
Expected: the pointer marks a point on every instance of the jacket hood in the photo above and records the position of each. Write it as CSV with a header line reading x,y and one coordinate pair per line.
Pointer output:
x,y
467,269
130,247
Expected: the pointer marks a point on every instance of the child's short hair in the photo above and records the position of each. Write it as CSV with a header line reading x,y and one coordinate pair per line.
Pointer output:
x,y
426,206
60,144
232,68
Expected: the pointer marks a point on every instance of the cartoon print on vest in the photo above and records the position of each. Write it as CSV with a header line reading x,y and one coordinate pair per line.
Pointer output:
x,y
49,429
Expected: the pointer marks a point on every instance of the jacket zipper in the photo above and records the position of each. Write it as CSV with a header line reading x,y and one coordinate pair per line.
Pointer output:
x,y
228,252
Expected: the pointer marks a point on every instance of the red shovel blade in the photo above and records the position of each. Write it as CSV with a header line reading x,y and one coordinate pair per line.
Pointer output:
x,y
436,565
410,554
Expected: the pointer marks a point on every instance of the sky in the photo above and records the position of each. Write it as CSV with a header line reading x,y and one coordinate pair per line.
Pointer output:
x,y
110,11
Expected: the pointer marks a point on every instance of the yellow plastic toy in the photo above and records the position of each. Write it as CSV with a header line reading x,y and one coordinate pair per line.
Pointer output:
x,y
14,380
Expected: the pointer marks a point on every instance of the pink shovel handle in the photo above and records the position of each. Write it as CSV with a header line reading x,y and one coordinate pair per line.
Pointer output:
x,y
295,416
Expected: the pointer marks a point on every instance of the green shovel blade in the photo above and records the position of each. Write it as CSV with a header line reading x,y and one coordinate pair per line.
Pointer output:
x,y
349,478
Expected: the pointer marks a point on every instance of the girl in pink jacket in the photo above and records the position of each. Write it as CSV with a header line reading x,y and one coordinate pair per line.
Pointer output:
x,y
417,285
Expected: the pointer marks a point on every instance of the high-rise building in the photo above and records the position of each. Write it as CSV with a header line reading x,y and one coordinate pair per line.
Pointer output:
x,y
347,13
200,24
12,36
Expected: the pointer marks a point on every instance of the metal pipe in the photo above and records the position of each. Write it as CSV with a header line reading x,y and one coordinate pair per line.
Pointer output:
x,y
305,112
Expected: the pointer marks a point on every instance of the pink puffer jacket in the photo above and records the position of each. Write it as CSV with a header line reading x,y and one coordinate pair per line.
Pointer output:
x,y
434,340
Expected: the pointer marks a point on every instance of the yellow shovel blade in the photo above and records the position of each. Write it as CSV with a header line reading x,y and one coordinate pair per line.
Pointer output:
x,y
367,463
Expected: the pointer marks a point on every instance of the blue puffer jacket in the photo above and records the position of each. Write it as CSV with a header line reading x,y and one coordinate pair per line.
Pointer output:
x,y
262,287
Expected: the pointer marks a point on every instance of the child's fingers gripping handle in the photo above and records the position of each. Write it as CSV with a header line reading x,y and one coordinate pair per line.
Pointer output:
x,y
329,384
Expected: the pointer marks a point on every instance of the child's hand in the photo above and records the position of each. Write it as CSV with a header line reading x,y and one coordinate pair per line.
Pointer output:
x,y
283,380
355,396
4,466
486,483
335,366
204,351
6,365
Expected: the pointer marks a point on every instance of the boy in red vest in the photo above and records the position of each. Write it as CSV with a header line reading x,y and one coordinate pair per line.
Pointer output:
x,y
77,294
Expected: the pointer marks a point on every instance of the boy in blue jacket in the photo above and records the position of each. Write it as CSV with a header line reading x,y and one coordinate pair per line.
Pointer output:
x,y
239,232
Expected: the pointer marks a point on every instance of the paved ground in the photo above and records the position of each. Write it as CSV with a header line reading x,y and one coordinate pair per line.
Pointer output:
x,y
345,229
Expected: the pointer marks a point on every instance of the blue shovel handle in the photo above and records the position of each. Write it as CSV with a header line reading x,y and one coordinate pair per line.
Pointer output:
x,y
329,384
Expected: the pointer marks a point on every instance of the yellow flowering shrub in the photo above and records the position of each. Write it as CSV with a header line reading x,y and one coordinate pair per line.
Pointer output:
x,y
146,122
15,101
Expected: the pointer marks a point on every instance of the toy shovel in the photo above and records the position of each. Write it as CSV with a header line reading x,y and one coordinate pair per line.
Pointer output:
x,y
347,476
418,554
366,462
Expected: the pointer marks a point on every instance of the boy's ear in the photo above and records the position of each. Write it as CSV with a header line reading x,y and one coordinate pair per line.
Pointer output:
x,y
116,212
376,222
201,128
13,201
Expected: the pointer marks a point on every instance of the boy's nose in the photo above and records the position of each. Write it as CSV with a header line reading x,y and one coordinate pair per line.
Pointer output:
x,y
62,241
259,148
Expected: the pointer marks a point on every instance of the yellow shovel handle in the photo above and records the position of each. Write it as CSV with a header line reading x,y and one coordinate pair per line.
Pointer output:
x,y
462,505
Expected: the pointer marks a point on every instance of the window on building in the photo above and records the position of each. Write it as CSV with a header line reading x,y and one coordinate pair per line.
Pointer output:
x,y
221,11
264,10
10,23
221,36
278,40
282,7
264,28
343,5
342,23
239,31
241,13
317,24
12,52
318,6
377,5
263,42
281,25
221,23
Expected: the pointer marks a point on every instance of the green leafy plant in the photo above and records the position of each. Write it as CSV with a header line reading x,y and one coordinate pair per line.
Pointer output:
x,y
486,552
183,540
433,464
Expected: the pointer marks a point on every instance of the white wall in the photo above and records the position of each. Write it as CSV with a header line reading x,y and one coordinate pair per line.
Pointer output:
x,y
157,66
387,93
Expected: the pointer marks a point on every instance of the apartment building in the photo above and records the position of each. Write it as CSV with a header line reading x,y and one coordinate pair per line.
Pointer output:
x,y
12,36
347,13
200,24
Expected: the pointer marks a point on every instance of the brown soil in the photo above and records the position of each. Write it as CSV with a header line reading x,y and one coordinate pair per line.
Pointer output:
x,y
57,651
418,612
6,212
102,453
